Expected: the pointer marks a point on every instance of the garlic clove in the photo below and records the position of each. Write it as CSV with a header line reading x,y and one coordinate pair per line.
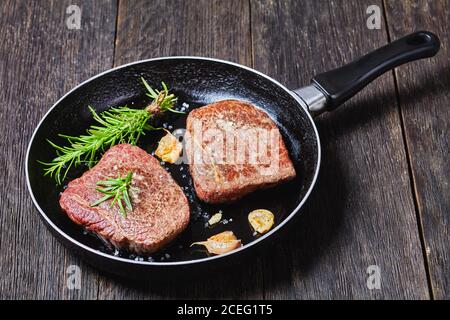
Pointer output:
x,y
261,220
221,243
169,148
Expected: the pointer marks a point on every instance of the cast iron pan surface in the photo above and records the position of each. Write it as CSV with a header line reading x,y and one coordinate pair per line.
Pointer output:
x,y
196,82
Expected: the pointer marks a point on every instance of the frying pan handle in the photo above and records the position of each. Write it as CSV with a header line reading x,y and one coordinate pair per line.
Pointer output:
x,y
339,85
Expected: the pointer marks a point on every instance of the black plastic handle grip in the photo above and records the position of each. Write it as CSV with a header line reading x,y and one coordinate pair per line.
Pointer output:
x,y
342,83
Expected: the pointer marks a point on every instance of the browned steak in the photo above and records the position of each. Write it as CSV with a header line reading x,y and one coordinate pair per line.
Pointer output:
x,y
234,148
160,208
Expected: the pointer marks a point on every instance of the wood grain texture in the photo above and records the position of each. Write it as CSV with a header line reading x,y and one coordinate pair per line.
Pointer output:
x,y
362,211
219,29
424,98
40,59
210,28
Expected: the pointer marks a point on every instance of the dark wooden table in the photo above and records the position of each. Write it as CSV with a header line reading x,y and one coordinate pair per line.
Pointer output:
x,y
383,193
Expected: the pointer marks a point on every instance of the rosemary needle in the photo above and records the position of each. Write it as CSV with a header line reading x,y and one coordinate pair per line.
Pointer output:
x,y
117,189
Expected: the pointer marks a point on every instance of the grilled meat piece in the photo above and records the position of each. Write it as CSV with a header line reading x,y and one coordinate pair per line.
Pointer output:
x,y
233,149
160,208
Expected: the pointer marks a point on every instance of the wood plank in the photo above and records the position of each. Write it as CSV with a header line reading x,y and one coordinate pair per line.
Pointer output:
x,y
219,29
40,59
424,99
362,211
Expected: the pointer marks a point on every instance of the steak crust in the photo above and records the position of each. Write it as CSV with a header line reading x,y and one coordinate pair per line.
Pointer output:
x,y
160,208
215,130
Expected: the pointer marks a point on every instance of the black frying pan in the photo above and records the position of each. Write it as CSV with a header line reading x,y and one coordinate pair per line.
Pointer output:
x,y
199,81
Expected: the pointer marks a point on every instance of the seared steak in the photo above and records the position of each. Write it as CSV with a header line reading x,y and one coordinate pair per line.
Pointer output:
x,y
234,148
160,208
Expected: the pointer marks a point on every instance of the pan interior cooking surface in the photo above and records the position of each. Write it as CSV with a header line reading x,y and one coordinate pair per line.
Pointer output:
x,y
195,82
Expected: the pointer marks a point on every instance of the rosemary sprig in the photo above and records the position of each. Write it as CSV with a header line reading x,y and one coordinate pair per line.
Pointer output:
x,y
161,98
117,189
115,126
118,125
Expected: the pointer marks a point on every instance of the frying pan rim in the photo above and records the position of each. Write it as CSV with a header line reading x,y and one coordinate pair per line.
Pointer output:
x,y
185,262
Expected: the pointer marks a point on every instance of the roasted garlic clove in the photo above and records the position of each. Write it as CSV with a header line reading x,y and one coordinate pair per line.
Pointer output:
x,y
221,243
215,218
169,148
261,220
